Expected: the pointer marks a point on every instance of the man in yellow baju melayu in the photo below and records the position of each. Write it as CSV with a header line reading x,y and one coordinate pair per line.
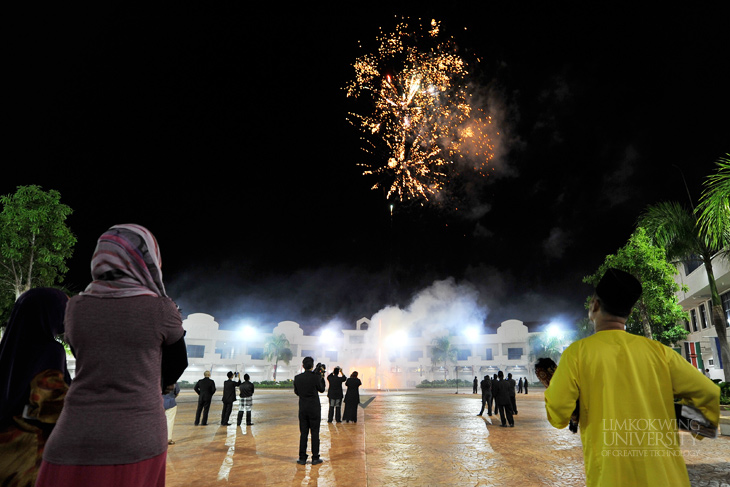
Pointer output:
x,y
626,385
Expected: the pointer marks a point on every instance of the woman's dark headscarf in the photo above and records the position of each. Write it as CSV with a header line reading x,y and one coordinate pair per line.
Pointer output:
x,y
29,347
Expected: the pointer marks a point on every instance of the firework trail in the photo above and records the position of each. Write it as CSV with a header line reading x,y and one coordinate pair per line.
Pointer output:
x,y
421,115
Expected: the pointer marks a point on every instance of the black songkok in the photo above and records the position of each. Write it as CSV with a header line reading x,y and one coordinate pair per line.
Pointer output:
x,y
618,291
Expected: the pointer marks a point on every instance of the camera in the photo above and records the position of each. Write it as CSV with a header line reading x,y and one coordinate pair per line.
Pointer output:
x,y
320,369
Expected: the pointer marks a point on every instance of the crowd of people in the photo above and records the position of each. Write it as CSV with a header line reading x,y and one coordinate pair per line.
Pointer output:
x,y
128,340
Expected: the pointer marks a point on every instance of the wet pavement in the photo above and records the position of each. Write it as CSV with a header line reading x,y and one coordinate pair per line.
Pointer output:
x,y
408,438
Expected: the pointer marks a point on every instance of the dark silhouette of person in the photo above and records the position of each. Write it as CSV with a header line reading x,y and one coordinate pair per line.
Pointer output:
x,y
334,393
352,398
502,400
246,404
512,398
525,384
307,386
519,386
205,388
229,397
475,384
486,386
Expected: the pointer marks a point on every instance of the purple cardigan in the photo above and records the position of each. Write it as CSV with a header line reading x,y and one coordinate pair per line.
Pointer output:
x,y
113,413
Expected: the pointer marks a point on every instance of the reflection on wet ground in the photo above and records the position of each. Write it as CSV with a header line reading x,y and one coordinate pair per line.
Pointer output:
x,y
407,438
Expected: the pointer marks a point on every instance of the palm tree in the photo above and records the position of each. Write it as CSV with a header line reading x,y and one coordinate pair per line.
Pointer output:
x,y
678,231
714,207
546,345
443,351
277,348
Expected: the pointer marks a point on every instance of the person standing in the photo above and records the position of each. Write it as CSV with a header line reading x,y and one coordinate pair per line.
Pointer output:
x,y
204,388
229,397
170,405
352,398
475,385
502,400
486,386
334,393
519,386
512,396
492,404
307,386
525,384
628,425
246,403
128,339
33,382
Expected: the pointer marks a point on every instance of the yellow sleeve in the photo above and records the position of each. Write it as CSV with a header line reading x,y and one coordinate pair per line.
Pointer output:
x,y
563,392
693,387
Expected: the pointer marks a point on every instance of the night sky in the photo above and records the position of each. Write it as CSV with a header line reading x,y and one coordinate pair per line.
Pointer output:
x,y
224,132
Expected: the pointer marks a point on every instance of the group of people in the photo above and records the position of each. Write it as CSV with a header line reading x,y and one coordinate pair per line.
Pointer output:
x,y
500,392
205,388
521,384
128,340
308,385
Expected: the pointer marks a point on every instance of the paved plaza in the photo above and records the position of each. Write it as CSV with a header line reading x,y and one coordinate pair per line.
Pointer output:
x,y
406,438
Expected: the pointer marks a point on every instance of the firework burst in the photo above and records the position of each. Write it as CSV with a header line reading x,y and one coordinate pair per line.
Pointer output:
x,y
421,118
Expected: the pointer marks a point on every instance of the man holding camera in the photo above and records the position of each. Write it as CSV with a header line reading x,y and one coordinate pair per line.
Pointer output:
x,y
307,386
229,397
334,393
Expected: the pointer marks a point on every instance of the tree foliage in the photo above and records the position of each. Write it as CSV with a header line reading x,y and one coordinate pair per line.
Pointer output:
x,y
685,238
443,351
277,347
35,241
713,211
657,314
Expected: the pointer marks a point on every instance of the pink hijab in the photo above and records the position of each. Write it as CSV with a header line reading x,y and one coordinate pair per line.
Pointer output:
x,y
126,263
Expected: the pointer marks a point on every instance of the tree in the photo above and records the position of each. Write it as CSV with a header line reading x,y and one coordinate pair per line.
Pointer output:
x,y
657,314
714,207
277,348
34,240
443,351
546,345
678,231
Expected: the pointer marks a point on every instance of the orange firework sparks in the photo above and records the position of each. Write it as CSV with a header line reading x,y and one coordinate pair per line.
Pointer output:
x,y
421,115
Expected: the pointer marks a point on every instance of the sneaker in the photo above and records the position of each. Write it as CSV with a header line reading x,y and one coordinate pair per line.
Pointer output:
x,y
317,461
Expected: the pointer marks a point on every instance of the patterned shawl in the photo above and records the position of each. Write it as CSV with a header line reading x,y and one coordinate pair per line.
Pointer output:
x,y
126,263
29,346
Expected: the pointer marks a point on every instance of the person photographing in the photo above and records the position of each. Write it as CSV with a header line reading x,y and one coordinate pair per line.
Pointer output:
x,y
307,386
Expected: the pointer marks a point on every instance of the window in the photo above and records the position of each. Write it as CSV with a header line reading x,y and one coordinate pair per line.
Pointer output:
x,y
196,351
691,265
703,316
686,325
725,298
308,353
331,355
693,317
357,338
463,354
514,353
415,355
488,354
256,353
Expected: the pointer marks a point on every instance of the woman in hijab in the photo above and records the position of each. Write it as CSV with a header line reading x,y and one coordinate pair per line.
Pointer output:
x,y
112,430
352,398
33,382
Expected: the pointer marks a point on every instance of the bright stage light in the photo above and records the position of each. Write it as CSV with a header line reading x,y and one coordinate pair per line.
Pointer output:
x,y
472,333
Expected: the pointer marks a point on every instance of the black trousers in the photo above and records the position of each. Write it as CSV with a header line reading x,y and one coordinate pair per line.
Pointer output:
x,y
513,400
486,400
309,424
505,410
226,414
204,407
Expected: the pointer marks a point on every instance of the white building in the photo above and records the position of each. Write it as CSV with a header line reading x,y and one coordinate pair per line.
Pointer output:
x,y
701,348
384,359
